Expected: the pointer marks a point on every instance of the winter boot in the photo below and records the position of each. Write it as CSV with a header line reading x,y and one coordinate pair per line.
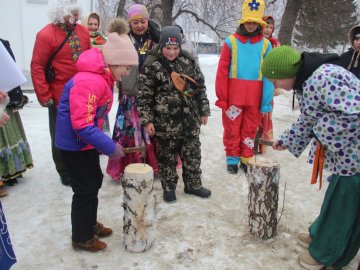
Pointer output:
x,y
3,192
101,231
304,239
169,196
308,262
243,167
93,245
200,192
232,168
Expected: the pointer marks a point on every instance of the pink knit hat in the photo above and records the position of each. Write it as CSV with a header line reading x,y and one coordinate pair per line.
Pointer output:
x,y
137,12
119,50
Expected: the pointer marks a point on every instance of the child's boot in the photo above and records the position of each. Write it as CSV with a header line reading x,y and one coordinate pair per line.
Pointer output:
x,y
200,192
169,196
304,239
93,245
101,231
232,168
308,262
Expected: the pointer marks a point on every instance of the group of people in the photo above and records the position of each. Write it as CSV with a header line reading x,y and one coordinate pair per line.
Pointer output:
x,y
139,59
163,103
328,90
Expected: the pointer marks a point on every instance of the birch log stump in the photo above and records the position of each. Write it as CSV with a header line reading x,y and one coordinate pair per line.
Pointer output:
x,y
139,207
263,178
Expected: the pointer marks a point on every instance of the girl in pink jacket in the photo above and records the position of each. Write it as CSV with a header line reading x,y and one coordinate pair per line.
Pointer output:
x,y
85,101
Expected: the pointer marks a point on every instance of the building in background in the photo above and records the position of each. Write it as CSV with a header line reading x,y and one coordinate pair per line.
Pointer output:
x,y
203,43
27,17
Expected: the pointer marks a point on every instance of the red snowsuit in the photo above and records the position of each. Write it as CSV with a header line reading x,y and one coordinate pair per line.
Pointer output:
x,y
241,87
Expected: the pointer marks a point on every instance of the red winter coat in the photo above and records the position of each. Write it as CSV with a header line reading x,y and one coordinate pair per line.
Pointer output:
x,y
47,41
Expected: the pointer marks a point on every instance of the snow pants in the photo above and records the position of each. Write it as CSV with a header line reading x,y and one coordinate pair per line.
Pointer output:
x,y
189,149
336,231
240,131
86,179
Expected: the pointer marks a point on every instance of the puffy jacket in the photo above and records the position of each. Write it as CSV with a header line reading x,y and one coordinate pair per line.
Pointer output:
x,y
85,100
47,41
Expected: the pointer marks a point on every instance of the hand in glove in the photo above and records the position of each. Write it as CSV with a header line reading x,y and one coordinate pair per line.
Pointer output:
x,y
118,153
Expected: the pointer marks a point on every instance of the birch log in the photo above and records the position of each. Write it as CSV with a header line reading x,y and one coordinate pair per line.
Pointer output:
x,y
139,207
263,178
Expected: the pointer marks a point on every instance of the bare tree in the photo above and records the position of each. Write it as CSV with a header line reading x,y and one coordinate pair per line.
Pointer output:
x,y
212,16
288,21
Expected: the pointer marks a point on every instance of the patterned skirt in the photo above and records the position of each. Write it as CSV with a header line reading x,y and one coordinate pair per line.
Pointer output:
x,y
129,133
15,155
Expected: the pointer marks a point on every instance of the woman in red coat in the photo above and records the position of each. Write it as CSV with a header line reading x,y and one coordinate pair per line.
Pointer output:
x,y
64,16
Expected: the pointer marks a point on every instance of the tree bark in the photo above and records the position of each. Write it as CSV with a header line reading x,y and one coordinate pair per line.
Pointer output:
x,y
288,21
139,207
121,8
167,9
263,178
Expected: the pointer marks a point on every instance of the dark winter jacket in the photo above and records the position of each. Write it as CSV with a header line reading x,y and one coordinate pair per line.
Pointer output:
x,y
309,63
17,100
173,114
146,42
350,61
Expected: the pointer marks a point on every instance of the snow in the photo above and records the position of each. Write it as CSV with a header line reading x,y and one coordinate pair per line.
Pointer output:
x,y
193,233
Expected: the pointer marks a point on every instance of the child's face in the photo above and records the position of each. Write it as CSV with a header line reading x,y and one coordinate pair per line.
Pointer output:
x,y
139,27
93,25
120,71
357,44
268,30
171,52
251,26
286,84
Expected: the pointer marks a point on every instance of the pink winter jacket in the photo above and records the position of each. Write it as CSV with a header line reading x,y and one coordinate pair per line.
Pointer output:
x,y
85,100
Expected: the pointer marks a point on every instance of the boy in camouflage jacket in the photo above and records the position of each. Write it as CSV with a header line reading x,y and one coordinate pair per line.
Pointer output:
x,y
173,117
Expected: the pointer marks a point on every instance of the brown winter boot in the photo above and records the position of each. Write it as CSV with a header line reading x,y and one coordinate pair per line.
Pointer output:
x,y
101,231
93,245
3,192
304,239
308,262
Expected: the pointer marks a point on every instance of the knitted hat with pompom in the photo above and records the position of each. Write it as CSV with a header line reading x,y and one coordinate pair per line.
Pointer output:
x,y
281,63
119,50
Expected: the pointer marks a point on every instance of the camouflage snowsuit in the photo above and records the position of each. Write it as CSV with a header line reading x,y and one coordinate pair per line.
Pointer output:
x,y
176,118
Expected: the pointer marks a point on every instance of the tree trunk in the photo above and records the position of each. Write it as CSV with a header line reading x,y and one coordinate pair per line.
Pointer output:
x,y
121,8
167,9
139,207
263,178
288,21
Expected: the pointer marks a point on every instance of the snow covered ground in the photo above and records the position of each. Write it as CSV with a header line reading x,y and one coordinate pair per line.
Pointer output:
x,y
193,233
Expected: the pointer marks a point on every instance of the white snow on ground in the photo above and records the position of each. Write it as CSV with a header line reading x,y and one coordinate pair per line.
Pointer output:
x,y
193,233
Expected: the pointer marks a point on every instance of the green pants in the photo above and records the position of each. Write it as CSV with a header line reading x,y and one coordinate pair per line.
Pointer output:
x,y
336,231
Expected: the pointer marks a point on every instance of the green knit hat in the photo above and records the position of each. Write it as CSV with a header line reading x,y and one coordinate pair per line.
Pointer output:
x,y
281,63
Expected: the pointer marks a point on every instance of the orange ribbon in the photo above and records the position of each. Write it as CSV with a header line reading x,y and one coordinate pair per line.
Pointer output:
x,y
318,164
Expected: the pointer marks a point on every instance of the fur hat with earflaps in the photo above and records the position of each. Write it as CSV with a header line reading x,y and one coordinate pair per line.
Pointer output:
x,y
252,11
119,50
353,34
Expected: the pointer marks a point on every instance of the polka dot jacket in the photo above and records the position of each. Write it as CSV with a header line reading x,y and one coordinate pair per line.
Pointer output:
x,y
330,112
